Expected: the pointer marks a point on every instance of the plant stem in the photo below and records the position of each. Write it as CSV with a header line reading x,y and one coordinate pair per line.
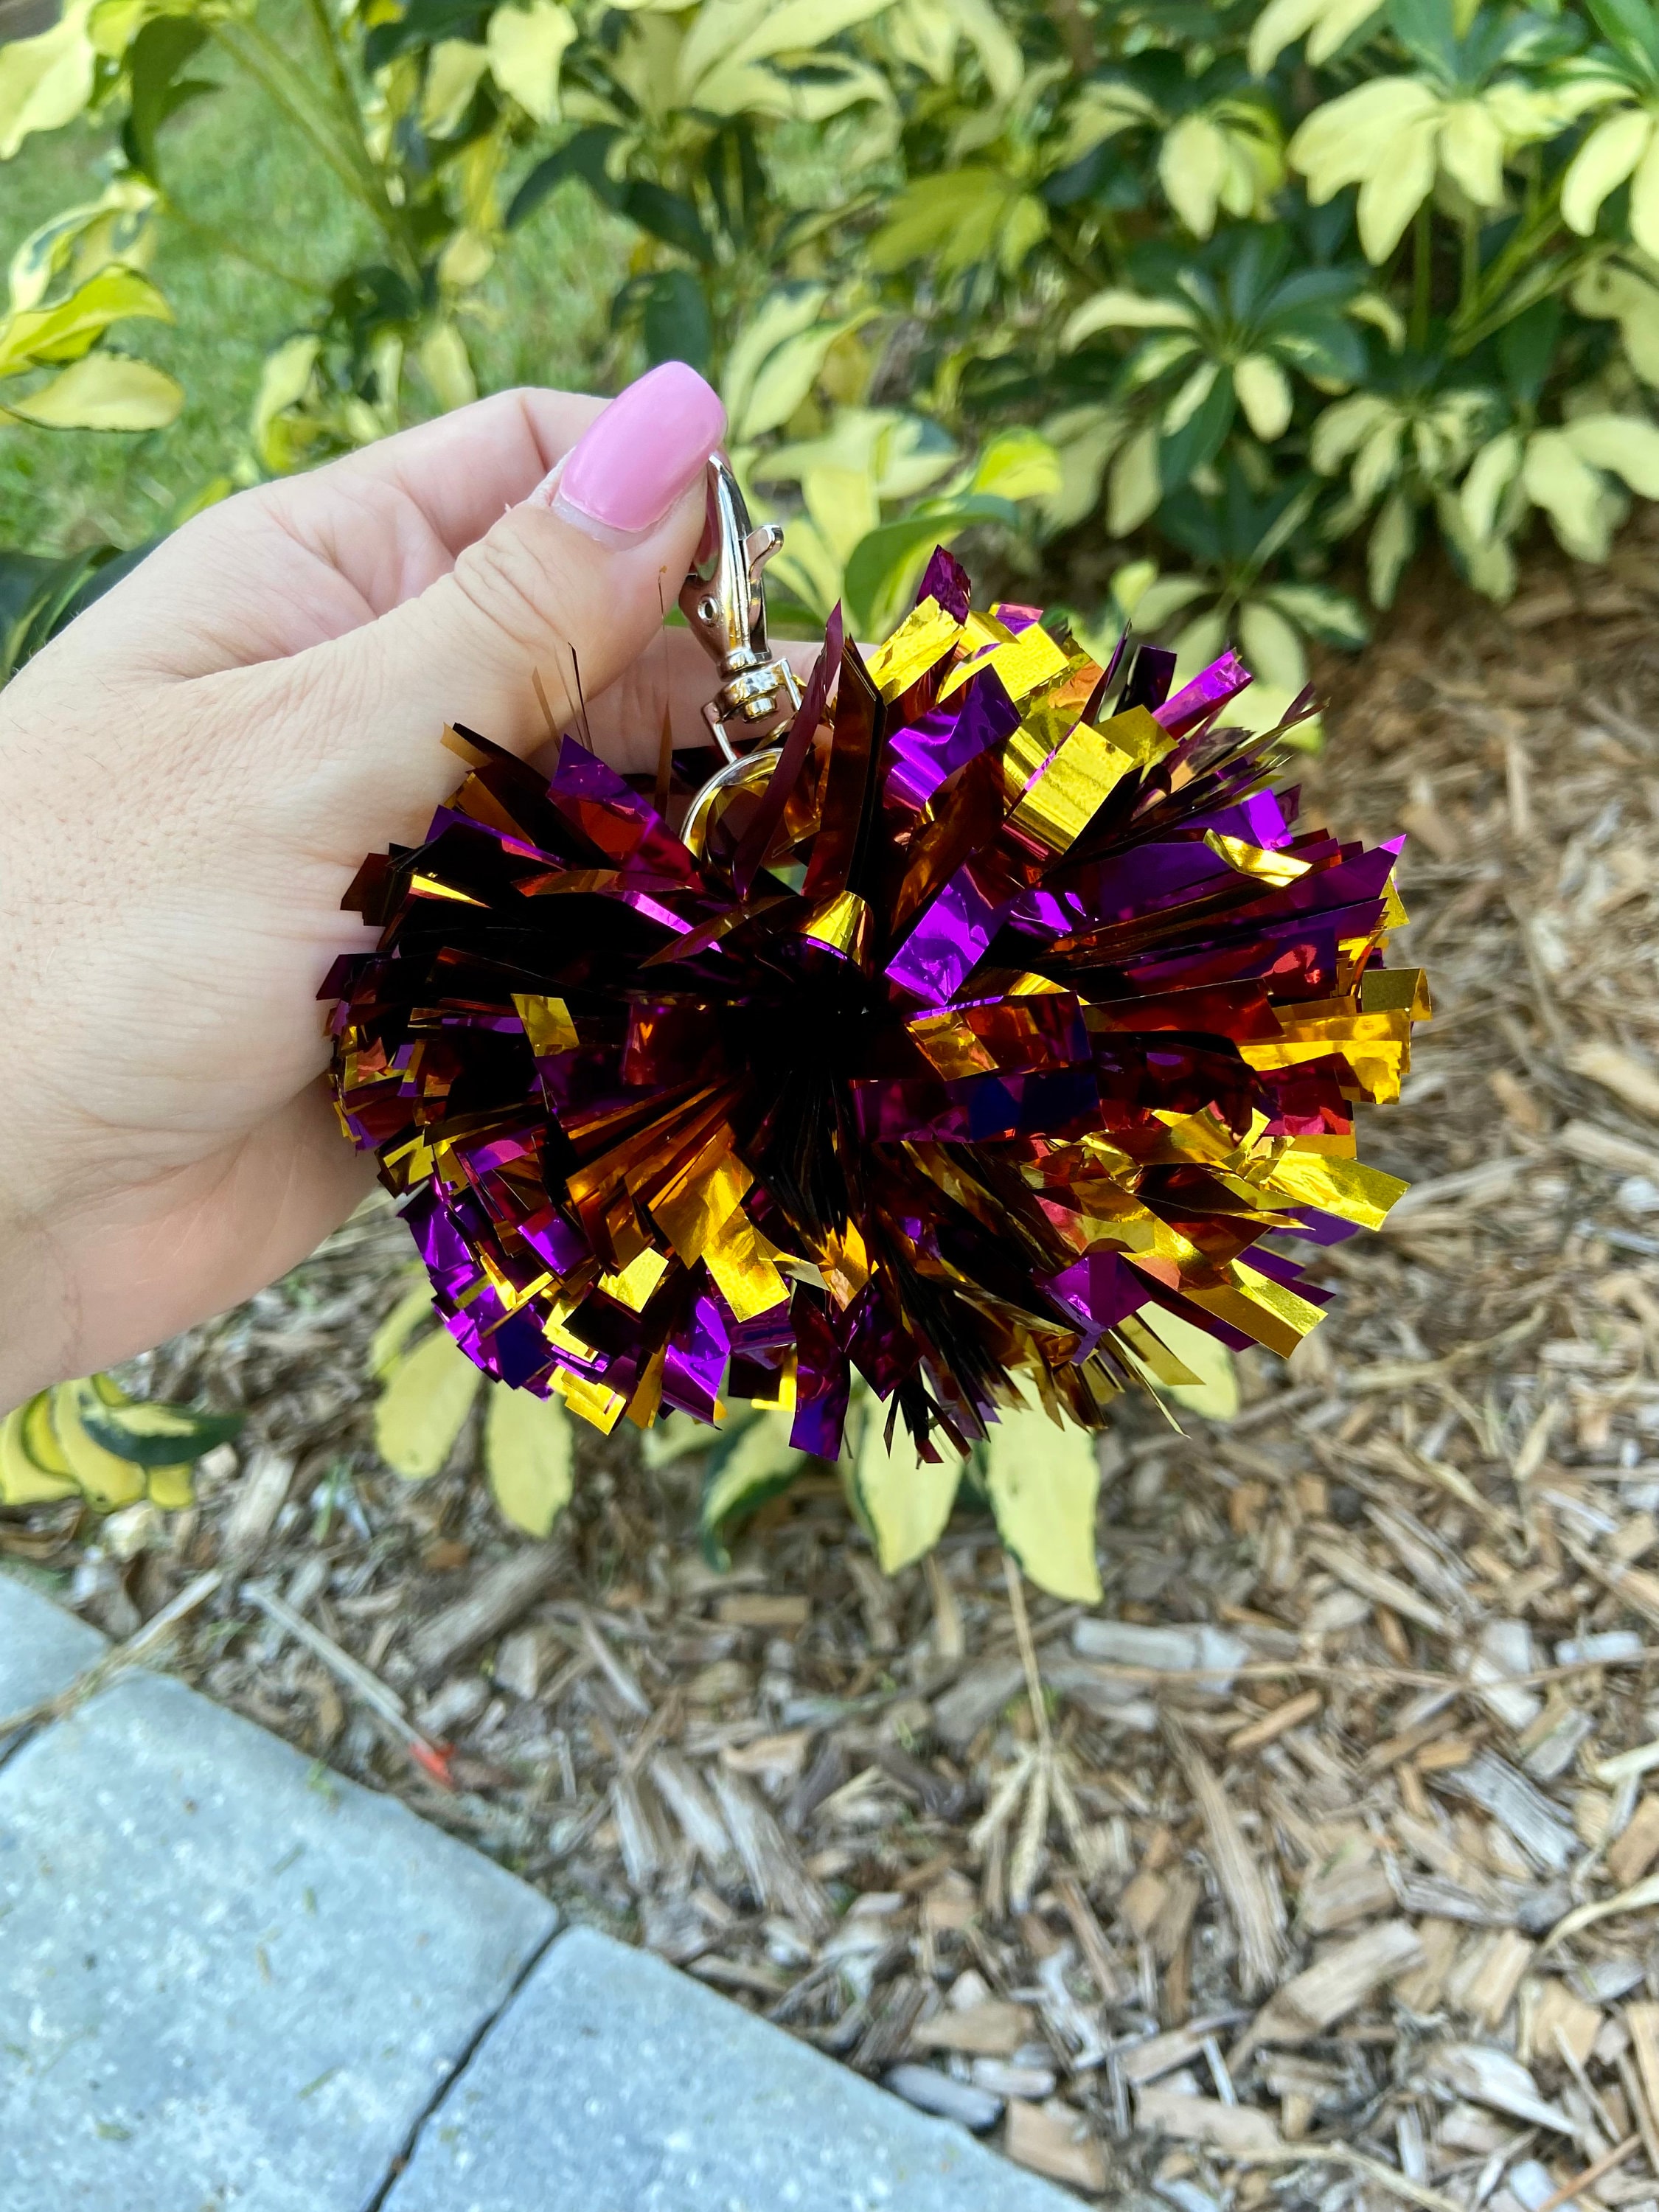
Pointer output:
x,y
274,74
226,242
1422,273
1076,35
391,217
1469,276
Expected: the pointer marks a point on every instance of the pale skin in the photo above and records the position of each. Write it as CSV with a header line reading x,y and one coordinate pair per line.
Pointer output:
x,y
189,779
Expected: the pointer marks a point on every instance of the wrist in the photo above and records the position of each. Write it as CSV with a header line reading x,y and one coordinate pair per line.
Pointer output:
x,y
38,1336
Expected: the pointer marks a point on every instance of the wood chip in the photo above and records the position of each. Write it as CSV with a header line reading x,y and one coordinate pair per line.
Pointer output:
x,y
1338,1984
1271,1726
1054,2140
1355,1885
1161,2054
1236,2130
763,1609
1625,1076
1382,1589
1492,1990
775,1874
1258,1912
1493,2077
1631,1854
261,1497
992,2029
1643,2022
495,1601
1557,2011
1521,1809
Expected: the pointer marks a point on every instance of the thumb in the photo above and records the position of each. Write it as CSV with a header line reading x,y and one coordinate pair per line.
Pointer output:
x,y
571,585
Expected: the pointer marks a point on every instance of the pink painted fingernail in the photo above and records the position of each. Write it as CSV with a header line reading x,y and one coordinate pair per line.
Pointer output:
x,y
634,461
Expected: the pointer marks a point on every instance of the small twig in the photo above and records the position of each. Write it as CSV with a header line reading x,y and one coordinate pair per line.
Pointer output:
x,y
366,1686
662,1723
132,1653
1605,2164
1403,1678
1027,1649
1385,2177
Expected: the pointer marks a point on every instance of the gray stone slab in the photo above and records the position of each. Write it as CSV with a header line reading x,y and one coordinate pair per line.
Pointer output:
x,y
614,2084
42,1648
229,1981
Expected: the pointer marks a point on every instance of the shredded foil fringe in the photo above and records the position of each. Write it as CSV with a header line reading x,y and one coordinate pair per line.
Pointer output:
x,y
1006,1014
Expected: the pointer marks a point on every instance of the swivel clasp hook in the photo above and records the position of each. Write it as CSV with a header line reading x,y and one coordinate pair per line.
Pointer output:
x,y
724,601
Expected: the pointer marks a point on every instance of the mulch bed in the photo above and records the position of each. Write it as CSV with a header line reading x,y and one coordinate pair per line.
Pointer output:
x,y
1317,1862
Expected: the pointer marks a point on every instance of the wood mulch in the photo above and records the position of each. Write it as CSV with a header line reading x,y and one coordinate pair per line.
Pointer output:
x,y
1318,1864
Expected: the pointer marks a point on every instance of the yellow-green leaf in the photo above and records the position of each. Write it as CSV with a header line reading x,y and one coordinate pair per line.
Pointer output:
x,y
107,1481
1215,1394
527,1450
424,1406
443,359
1492,472
1191,165
759,1463
45,335
1623,444
45,81
104,391
673,1436
1570,492
172,1488
1043,1481
1117,309
452,70
903,1502
1602,165
1264,393
399,1325
1017,464
780,316
786,375
22,1482
1271,648
727,33
526,46
1133,488
998,49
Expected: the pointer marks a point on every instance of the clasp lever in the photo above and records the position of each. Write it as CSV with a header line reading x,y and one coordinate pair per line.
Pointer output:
x,y
724,601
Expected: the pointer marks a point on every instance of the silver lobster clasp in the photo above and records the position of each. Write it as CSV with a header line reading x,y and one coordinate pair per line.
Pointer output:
x,y
724,602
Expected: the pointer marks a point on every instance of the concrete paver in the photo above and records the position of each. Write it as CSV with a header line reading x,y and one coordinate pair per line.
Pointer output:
x,y
229,1981
613,2083
42,1648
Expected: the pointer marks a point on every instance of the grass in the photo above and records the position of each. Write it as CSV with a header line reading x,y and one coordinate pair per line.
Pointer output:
x,y
263,231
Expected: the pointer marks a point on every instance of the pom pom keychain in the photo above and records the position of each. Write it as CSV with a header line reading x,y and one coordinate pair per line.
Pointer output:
x,y
981,1034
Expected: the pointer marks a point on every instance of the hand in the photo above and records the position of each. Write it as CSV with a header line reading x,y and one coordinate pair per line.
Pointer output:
x,y
191,775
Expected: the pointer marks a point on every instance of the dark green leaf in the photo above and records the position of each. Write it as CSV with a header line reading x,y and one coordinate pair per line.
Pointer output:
x,y
424,23
1633,28
39,596
153,61
582,156
1525,347
1320,345
1200,437
736,179
676,323
1427,31
150,1435
669,216
881,553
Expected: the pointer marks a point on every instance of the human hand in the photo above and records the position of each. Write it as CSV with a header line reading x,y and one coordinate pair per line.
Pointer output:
x,y
190,775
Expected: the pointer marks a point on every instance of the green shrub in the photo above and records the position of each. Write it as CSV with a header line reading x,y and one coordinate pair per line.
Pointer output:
x,y
1260,295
